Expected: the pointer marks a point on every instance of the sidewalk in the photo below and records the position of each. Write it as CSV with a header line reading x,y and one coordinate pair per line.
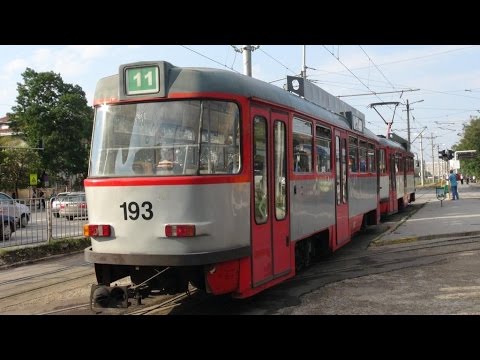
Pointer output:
x,y
432,221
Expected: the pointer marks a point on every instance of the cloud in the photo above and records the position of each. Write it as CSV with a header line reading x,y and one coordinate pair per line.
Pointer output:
x,y
88,52
15,66
70,61
73,62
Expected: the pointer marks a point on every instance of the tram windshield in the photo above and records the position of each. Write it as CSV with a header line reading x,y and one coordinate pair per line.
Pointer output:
x,y
173,138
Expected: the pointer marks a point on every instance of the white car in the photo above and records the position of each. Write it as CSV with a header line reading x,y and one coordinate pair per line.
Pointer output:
x,y
11,207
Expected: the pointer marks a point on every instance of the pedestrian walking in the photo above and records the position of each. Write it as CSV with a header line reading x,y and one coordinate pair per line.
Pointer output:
x,y
41,199
453,185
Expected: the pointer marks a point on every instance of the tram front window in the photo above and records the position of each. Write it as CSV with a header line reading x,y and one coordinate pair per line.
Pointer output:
x,y
166,138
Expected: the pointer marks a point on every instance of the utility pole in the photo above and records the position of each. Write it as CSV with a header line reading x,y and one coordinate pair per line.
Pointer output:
x,y
247,60
421,159
247,50
438,161
304,66
433,160
408,124
408,119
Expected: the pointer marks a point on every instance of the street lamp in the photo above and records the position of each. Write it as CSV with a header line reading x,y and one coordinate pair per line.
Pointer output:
x,y
408,119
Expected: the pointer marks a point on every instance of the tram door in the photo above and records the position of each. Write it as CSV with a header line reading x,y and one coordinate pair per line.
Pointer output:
x,y
341,186
393,184
269,213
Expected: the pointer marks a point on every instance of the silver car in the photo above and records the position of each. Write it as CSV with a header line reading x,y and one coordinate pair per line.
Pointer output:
x,y
56,201
74,205
11,207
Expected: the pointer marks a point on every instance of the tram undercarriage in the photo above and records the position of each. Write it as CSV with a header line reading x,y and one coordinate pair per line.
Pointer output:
x,y
145,281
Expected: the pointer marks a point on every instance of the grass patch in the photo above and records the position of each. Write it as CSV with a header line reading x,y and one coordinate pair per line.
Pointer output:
x,y
13,256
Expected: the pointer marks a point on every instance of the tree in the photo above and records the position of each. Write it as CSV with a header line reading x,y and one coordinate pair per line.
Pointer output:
x,y
17,162
55,115
471,141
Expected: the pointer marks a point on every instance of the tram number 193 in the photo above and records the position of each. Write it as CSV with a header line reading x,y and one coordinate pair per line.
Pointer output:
x,y
133,211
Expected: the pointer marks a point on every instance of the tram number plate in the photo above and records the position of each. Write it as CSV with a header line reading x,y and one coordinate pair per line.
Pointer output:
x,y
132,210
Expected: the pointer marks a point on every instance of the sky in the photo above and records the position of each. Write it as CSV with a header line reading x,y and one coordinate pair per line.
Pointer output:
x,y
440,82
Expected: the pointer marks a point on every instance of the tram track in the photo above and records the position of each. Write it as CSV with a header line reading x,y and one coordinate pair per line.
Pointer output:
x,y
404,259
399,248
373,261
167,304
42,287
39,275
70,308
161,308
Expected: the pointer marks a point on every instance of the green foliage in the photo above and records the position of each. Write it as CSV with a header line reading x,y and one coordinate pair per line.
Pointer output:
x,y
471,141
55,113
17,163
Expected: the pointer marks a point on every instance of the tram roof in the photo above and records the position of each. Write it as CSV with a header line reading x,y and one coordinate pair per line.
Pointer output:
x,y
388,142
197,80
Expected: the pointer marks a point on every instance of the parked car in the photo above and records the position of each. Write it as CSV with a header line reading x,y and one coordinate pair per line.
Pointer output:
x,y
74,205
56,201
11,207
7,227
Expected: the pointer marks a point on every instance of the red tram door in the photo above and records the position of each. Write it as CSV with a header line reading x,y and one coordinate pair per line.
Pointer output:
x,y
269,213
341,188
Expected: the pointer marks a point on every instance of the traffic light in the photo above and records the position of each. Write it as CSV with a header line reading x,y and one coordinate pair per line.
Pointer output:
x,y
443,154
451,154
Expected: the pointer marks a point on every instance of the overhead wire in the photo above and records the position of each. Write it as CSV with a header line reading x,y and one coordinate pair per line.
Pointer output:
x,y
410,59
277,61
380,71
351,72
206,57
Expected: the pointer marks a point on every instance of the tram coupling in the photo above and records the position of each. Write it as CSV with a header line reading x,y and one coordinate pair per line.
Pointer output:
x,y
116,297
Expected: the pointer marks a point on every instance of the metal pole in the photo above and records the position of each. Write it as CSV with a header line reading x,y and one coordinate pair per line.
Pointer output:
x,y
48,212
421,160
438,162
433,160
408,124
304,67
247,60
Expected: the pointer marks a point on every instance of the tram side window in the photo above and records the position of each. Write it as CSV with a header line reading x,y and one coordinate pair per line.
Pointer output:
x,y
411,166
400,162
352,154
323,147
302,146
371,158
381,162
260,169
362,156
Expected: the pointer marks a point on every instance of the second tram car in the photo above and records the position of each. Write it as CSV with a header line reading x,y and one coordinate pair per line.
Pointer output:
x,y
208,177
396,175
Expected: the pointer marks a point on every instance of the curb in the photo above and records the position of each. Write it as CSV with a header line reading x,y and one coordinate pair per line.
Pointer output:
x,y
424,237
377,240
